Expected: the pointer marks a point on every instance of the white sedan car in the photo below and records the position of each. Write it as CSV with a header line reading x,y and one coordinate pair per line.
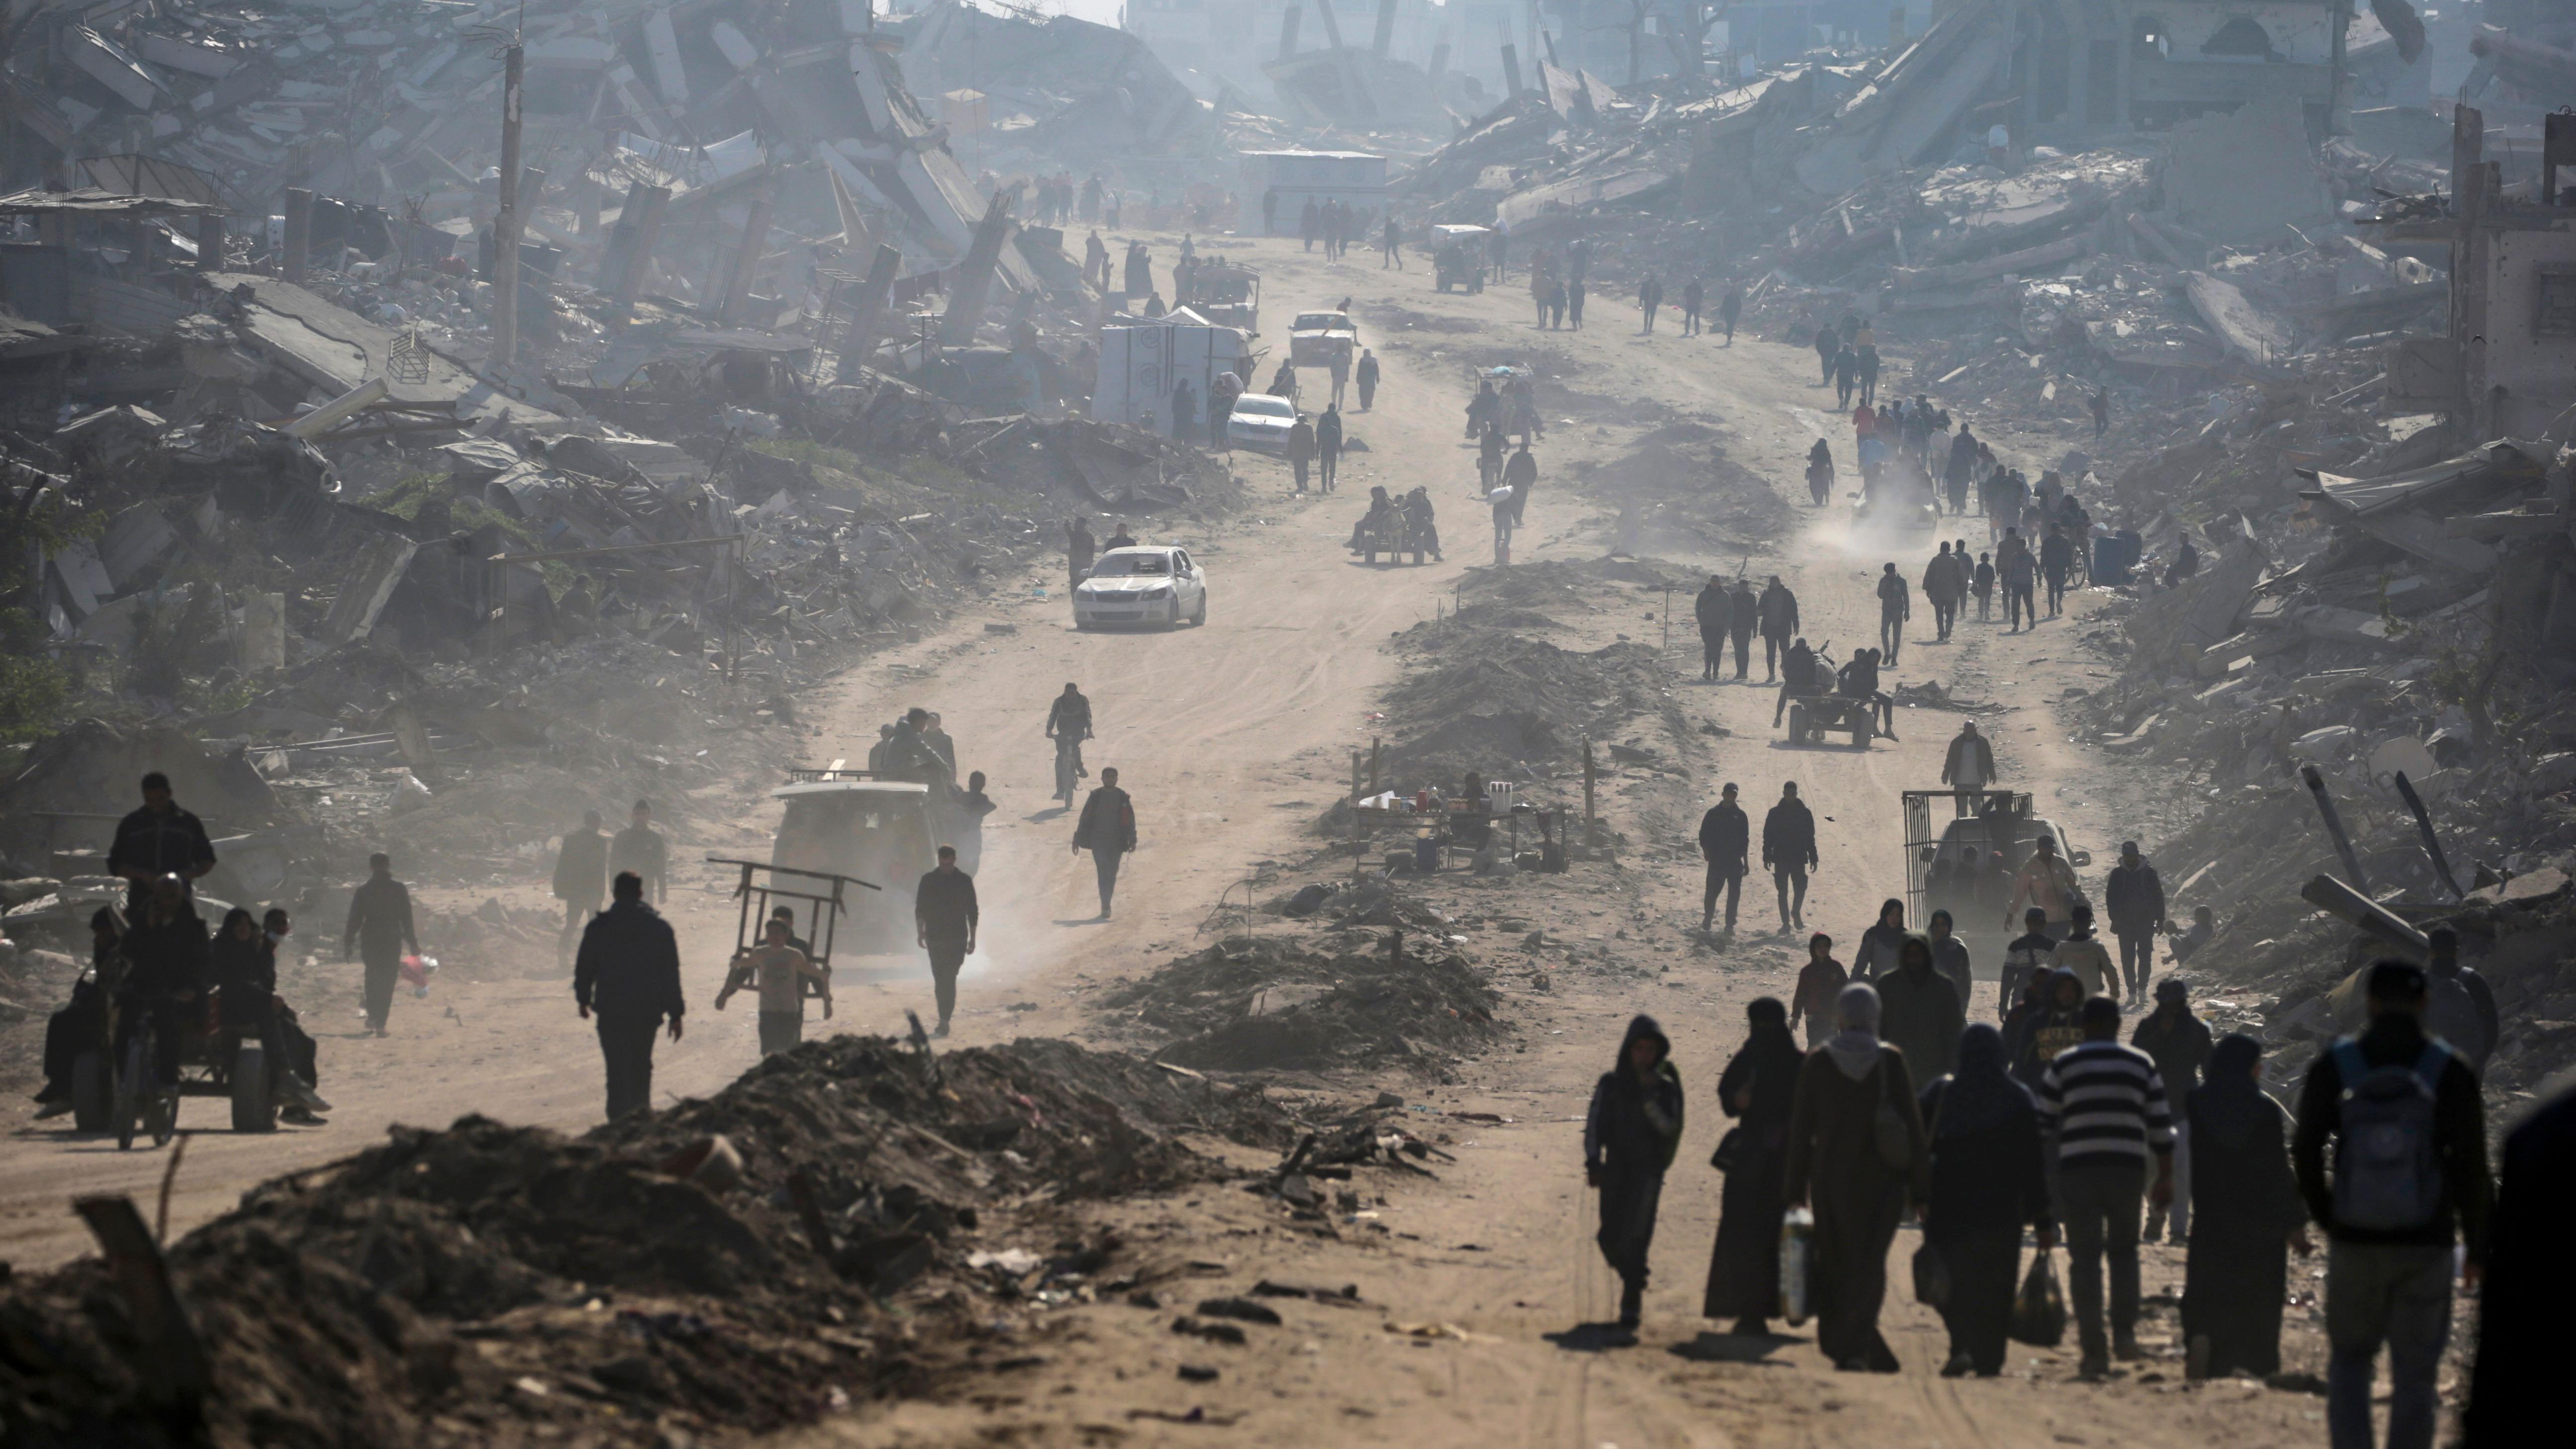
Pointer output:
x,y
1261,421
1145,584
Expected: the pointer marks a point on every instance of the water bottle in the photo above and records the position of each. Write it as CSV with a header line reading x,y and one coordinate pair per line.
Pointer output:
x,y
1797,1264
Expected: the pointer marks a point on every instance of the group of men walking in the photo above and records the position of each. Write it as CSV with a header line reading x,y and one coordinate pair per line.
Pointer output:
x,y
1735,614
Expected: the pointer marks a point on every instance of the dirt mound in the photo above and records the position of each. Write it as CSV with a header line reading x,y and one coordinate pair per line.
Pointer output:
x,y
490,1284
1676,486
1501,703
1586,584
1257,1003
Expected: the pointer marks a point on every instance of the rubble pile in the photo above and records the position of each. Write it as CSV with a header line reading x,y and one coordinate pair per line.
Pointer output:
x,y
2398,625
727,1268
503,615
2002,275
1482,696
1354,996
271,424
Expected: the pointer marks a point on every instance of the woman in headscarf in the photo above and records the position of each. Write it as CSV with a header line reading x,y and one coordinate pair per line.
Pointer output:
x,y
2245,1210
1879,944
1856,1151
1987,1181
1920,1013
1759,1086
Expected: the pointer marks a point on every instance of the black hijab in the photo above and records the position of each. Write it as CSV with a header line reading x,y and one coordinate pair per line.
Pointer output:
x,y
1980,1096
1774,1052
2228,1104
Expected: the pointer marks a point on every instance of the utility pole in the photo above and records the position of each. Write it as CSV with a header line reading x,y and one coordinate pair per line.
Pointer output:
x,y
505,222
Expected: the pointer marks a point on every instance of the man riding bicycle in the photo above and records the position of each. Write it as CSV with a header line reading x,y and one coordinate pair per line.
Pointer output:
x,y
1068,724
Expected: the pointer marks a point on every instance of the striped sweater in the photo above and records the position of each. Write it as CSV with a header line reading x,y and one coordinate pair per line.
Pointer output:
x,y
2106,1103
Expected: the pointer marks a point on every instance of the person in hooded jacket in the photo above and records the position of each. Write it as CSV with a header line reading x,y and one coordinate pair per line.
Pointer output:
x,y
2055,1026
2246,1215
1629,1136
2180,1044
1758,1089
1879,944
1988,1180
1856,1178
1819,991
1920,1013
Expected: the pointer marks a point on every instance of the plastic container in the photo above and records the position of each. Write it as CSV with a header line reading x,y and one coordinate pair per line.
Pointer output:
x,y
1797,1264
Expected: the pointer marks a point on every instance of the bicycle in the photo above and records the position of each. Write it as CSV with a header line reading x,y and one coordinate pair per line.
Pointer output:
x,y
1068,766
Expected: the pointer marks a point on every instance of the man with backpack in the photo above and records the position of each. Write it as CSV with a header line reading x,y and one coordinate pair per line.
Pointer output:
x,y
2410,1175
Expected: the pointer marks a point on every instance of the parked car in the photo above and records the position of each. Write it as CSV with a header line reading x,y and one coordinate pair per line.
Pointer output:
x,y
1150,583
1261,421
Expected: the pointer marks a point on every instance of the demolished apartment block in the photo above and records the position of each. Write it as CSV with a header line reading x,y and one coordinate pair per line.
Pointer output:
x,y
2504,369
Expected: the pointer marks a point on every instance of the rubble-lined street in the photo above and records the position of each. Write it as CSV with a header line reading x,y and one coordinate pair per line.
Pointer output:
x,y
1215,582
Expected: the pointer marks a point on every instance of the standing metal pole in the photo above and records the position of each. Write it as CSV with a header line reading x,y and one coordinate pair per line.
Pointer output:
x,y
1359,852
1591,817
2334,827
505,222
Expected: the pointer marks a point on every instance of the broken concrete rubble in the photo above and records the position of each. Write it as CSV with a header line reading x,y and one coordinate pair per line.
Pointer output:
x,y
418,1289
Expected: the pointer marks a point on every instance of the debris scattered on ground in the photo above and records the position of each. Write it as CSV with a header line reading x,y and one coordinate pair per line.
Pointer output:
x,y
1267,1003
496,1284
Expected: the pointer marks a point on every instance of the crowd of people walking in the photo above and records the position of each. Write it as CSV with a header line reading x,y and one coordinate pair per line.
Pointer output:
x,y
2071,1124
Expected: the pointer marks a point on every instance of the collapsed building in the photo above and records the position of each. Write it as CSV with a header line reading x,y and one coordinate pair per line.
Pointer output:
x,y
394,403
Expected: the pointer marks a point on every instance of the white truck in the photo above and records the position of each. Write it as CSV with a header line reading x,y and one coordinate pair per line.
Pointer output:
x,y
1139,366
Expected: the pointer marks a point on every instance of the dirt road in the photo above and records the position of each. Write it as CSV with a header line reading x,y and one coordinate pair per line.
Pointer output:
x,y
1491,1272
1232,738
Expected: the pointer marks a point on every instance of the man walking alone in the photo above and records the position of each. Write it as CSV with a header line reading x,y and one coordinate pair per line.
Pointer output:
x,y
627,978
1788,849
1895,606
1629,1136
2135,896
379,927
945,916
1108,830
